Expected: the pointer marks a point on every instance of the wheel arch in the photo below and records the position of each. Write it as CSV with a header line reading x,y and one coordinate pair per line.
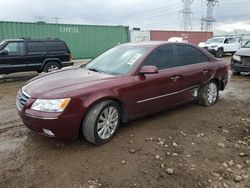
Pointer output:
x,y
124,113
219,83
50,60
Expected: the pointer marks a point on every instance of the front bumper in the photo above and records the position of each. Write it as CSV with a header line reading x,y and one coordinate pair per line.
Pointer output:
x,y
237,66
212,51
56,125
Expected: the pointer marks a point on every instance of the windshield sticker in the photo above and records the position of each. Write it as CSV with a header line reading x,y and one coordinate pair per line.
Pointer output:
x,y
134,59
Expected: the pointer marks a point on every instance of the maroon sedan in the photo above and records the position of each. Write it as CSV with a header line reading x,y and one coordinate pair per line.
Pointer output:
x,y
124,83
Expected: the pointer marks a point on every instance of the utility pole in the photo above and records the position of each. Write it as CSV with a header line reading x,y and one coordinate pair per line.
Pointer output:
x,y
186,17
56,19
208,21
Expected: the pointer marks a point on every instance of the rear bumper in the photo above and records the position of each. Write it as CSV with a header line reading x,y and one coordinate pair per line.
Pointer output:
x,y
67,63
224,82
238,67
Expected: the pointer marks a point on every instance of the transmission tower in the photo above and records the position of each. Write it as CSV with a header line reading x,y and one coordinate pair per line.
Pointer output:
x,y
207,22
186,17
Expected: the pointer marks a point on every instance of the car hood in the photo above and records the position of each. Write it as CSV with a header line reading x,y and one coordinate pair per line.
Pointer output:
x,y
243,52
65,83
211,44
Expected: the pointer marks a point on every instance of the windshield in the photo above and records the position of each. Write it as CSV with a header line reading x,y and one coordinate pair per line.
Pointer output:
x,y
1,44
215,40
247,45
118,60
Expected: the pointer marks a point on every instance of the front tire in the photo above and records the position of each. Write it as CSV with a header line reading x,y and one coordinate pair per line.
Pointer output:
x,y
220,53
101,122
208,94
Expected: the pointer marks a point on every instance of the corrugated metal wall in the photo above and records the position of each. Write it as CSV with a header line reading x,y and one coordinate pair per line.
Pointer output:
x,y
139,36
193,37
84,41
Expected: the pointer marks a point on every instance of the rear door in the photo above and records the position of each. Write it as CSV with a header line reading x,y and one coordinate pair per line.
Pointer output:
x,y
14,61
57,50
154,92
36,54
234,43
194,69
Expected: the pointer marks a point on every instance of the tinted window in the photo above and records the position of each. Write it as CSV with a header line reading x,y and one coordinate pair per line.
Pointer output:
x,y
15,48
203,57
189,55
56,46
35,47
162,58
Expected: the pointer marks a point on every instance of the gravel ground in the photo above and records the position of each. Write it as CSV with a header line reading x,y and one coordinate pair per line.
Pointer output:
x,y
190,146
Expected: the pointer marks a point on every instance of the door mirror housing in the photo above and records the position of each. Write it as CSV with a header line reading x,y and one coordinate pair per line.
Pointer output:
x,y
149,70
3,52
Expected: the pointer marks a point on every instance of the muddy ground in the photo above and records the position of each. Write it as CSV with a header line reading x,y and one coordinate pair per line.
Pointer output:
x,y
190,146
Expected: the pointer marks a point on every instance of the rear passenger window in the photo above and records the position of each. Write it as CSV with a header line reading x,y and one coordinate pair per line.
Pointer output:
x,y
35,47
56,46
162,58
203,57
189,55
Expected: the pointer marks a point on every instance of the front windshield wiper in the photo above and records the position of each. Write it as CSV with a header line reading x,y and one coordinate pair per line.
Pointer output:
x,y
95,70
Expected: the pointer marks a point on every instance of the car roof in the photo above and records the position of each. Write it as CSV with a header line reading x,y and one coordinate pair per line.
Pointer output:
x,y
149,43
32,40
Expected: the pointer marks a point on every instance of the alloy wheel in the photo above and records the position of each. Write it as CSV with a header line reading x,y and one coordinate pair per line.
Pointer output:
x,y
212,93
107,122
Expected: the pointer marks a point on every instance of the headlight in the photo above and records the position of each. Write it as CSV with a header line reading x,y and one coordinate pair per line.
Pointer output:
x,y
236,57
50,105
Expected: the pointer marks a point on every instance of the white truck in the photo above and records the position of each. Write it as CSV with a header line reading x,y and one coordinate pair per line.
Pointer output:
x,y
220,45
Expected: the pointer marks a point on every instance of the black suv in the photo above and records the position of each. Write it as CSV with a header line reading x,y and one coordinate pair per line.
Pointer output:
x,y
18,55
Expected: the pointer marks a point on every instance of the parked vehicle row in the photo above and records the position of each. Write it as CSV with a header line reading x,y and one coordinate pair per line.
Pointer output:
x,y
220,45
18,55
124,83
241,60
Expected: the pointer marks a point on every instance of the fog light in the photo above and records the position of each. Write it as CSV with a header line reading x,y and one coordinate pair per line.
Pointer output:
x,y
48,132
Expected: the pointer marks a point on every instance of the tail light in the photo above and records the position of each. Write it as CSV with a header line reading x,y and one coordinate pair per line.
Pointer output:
x,y
70,57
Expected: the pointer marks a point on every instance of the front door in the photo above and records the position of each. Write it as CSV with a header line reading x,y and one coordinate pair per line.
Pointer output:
x,y
14,60
154,92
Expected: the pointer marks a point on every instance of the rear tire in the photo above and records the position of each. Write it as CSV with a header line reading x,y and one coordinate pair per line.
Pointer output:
x,y
208,94
235,73
101,122
51,66
220,53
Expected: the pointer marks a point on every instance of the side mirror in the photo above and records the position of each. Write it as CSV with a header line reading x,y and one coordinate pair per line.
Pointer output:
x,y
149,70
3,52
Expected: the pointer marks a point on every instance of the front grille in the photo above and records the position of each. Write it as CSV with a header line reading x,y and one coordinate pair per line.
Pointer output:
x,y
21,99
245,60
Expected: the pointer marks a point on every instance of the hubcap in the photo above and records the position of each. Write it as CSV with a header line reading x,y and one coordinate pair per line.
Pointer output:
x,y
212,93
107,122
52,68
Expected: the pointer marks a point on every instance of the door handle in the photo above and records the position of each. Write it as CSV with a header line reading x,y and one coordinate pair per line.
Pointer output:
x,y
175,78
205,71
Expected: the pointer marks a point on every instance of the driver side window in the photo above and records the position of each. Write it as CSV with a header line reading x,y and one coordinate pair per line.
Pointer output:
x,y
15,48
162,58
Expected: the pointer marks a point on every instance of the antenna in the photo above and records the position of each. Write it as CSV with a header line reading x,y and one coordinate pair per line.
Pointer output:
x,y
208,21
186,18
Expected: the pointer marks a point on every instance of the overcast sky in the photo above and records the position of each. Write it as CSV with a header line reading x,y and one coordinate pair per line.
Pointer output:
x,y
146,14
